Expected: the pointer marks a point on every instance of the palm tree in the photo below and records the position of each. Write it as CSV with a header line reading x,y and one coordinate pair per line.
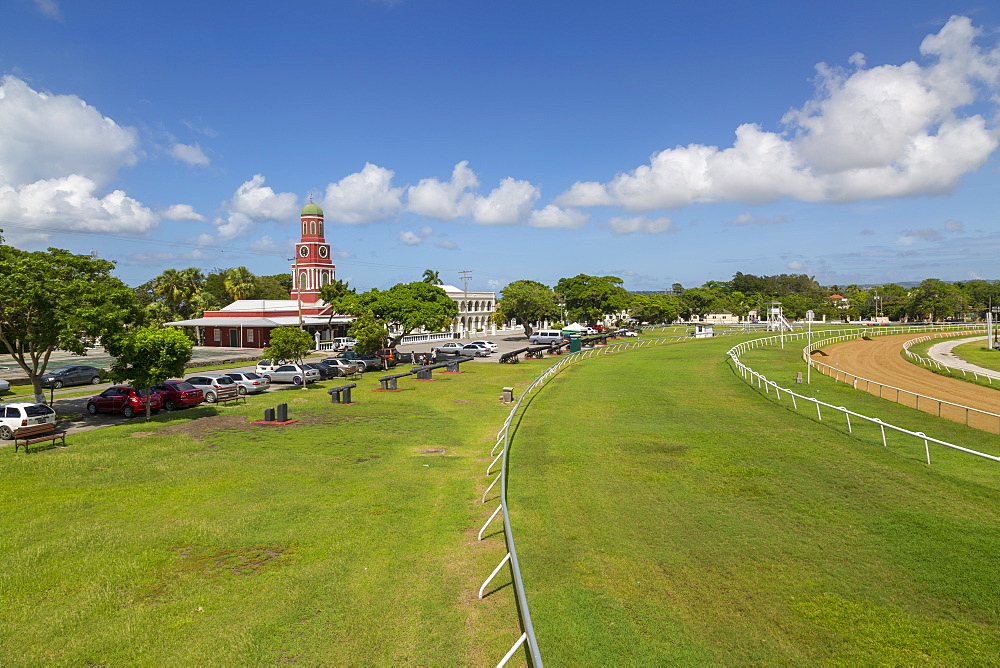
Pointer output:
x,y
240,283
432,277
170,286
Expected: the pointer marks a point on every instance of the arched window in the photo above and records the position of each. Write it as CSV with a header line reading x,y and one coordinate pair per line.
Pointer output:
x,y
321,228
312,227
305,227
324,279
303,281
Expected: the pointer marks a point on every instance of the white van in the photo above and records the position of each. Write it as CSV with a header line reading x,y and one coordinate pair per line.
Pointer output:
x,y
546,336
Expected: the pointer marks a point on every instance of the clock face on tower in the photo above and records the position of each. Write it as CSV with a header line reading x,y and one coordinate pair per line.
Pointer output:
x,y
323,252
304,251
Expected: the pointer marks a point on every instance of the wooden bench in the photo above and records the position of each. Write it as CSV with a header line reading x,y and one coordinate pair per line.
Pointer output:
x,y
30,435
343,394
237,399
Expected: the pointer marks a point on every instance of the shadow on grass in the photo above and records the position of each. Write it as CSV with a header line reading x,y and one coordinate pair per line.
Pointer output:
x,y
498,589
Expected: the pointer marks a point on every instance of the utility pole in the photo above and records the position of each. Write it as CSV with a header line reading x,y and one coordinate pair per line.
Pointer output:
x,y
466,274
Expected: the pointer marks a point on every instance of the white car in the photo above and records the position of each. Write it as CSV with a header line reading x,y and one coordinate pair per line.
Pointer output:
x,y
489,344
344,343
4,385
17,414
216,386
627,332
450,348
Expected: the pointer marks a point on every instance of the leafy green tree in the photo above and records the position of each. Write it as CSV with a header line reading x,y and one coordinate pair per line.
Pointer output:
x,y
370,334
148,356
404,308
526,302
288,343
278,286
333,292
240,283
590,298
432,277
935,299
699,301
55,299
655,308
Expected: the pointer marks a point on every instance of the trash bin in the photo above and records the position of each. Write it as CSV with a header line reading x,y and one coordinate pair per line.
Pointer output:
x,y
574,343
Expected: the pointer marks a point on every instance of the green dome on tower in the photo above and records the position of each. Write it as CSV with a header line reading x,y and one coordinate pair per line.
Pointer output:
x,y
311,209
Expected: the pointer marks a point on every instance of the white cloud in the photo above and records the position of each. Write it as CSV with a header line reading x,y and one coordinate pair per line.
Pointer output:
x,y
640,225
190,154
268,245
444,200
44,136
259,202
507,204
408,238
746,219
888,131
181,212
426,231
363,197
954,226
49,8
795,265
554,216
447,244
71,203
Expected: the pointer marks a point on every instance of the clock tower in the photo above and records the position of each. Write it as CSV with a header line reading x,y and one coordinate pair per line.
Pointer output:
x,y
312,267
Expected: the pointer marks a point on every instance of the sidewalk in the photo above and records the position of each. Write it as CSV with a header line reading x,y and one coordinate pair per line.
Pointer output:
x,y
941,352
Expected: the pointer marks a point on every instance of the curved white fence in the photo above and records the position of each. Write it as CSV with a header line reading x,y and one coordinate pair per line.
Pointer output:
x,y
917,358
753,377
957,412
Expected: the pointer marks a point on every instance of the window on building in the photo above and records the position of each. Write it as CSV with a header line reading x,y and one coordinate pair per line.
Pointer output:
x,y
303,282
249,336
321,228
218,335
312,227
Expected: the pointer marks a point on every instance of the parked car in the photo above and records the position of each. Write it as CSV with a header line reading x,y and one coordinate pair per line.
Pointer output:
x,y
489,344
78,374
450,348
627,332
475,350
292,373
178,394
22,414
216,386
4,385
266,366
248,382
546,336
123,399
325,372
344,343
367,362
343,367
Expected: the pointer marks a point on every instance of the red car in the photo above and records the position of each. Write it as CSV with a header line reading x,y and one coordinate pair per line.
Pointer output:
x,y
123,399
178,394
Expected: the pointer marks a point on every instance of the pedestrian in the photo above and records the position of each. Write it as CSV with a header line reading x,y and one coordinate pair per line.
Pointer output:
x,y
434,355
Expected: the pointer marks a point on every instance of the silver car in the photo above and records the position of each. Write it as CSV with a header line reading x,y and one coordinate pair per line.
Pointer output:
x,y
216,386
249,382
292,373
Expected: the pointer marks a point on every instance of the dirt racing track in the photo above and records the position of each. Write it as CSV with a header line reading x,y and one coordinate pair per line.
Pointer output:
x,y
878,360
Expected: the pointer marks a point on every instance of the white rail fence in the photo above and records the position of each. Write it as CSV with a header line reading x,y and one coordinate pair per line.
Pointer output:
x,y
984,420
930,362
758,380
503,440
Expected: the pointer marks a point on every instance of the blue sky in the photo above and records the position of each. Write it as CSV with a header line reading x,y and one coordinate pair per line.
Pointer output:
x,y
662,142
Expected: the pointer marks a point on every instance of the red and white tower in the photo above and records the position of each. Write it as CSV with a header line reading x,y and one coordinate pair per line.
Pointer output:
x,y
313,267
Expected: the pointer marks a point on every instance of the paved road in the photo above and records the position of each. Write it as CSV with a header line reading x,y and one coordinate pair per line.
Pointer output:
x,y
942,352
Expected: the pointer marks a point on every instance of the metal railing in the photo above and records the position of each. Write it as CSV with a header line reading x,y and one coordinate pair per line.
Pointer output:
x,y
762,382
959,410
917,358
503,444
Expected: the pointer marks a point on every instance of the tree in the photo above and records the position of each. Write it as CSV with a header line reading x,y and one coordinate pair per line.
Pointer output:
x,y
655,308
936,299
148,356
288,343
369,333
432,277
55,299
278,286
404,308
527,302
240,283
332,293
590,298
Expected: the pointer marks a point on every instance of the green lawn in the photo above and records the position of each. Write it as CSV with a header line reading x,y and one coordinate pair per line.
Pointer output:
x,y
665,512
333,541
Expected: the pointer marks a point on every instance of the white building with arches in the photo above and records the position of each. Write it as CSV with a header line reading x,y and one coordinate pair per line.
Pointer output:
x,y
475,311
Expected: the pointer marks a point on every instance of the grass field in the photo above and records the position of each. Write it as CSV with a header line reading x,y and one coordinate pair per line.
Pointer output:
x,y
975,352
201,540
665,512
